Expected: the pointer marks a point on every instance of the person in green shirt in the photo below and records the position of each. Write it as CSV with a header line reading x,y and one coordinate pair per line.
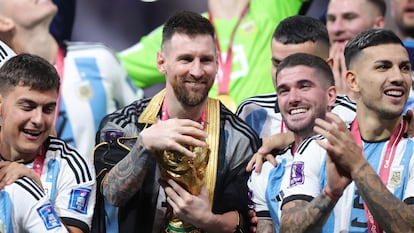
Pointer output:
x,y
244,29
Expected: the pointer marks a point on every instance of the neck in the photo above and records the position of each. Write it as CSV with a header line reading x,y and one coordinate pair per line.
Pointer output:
x,y
176,109
376,129
227,9
35,42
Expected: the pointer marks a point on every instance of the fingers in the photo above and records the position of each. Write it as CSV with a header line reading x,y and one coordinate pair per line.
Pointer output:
x,y
251,163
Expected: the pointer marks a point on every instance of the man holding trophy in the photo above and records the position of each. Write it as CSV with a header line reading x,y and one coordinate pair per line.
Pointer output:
x,y
180,156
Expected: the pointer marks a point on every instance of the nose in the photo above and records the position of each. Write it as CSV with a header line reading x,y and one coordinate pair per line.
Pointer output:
x,y
294,96
336,26
196,69
37,117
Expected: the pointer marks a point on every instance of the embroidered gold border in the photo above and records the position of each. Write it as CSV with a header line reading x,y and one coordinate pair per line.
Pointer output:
x,y
149,116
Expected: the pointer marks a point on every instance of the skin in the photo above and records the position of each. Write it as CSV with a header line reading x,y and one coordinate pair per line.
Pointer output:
x,y
302,98
27,119
385,68
299,89
344,20
402,12
190,65
279,52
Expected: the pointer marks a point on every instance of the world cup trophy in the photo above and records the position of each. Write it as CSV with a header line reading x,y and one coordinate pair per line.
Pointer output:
x,y
189,173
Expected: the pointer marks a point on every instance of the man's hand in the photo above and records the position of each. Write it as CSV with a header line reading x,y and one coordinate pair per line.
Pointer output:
x,y
173,134
274,142
189,208
340,145
339,68
11,171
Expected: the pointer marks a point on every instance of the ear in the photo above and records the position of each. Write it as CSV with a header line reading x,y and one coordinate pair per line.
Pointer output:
x,y
331,92
379,22
351,81
161,62
6,24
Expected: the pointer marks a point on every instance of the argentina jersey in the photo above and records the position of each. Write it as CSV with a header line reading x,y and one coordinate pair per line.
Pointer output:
x,y
261,112
93,85
349,214
283,175
68,178
24,207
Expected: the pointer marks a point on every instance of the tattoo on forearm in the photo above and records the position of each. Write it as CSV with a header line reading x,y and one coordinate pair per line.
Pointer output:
x,y
265,226
304,216
392,214
125,178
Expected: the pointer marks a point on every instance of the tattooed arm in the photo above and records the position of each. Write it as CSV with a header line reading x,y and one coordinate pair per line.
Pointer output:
x,y
303,216
265,226
128,175
392,214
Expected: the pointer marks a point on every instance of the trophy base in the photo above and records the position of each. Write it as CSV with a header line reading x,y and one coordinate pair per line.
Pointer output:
x,y
180,227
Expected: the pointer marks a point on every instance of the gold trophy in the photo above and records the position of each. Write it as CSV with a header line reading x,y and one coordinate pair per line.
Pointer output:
x,y
189,173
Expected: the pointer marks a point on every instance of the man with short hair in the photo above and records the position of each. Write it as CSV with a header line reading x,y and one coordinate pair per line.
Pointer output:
x,y
176,124
367,172
29,88
344,20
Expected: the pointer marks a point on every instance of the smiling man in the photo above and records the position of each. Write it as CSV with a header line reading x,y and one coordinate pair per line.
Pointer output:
x,y
176,123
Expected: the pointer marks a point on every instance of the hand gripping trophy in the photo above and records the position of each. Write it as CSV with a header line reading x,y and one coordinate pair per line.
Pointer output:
x,y
189,173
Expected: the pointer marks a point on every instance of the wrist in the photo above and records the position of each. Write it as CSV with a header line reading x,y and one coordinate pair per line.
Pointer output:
x,y
330,195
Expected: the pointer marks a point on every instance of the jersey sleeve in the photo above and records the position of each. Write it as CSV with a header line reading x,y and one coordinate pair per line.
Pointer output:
x,y
123,89
75,193
257,187
140,60
305,174
36,213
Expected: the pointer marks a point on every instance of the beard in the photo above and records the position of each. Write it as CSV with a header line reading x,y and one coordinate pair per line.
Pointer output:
x,y
305,128
188,97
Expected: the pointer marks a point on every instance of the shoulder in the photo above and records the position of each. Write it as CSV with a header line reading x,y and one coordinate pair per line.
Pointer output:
x,y
232,121
266,101
128,114
70,159
25,187
310,146
90,49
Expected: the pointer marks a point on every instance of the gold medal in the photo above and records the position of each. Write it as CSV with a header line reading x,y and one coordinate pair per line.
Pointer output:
x,y
228,102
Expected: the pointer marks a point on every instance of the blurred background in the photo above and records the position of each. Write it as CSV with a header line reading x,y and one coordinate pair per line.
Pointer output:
x,y
121,23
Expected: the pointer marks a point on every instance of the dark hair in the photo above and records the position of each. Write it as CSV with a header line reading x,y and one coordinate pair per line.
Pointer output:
x,y
28,70
189,23
380,4
300,29
368,38
312,61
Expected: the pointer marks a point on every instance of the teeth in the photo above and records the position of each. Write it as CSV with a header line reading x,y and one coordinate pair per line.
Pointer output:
x,y
297,111
35,133
394,93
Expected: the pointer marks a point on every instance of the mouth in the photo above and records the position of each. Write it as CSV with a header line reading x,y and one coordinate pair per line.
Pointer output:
x,y
33,133
297,111
394,93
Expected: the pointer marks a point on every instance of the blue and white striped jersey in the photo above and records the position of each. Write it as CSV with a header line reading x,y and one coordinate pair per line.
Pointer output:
x,y
308,178
94,84
69,180
24,207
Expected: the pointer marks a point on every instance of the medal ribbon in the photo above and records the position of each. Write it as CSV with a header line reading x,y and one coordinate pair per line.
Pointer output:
x,y
39,161
223,77
59,67
373,226
165,116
